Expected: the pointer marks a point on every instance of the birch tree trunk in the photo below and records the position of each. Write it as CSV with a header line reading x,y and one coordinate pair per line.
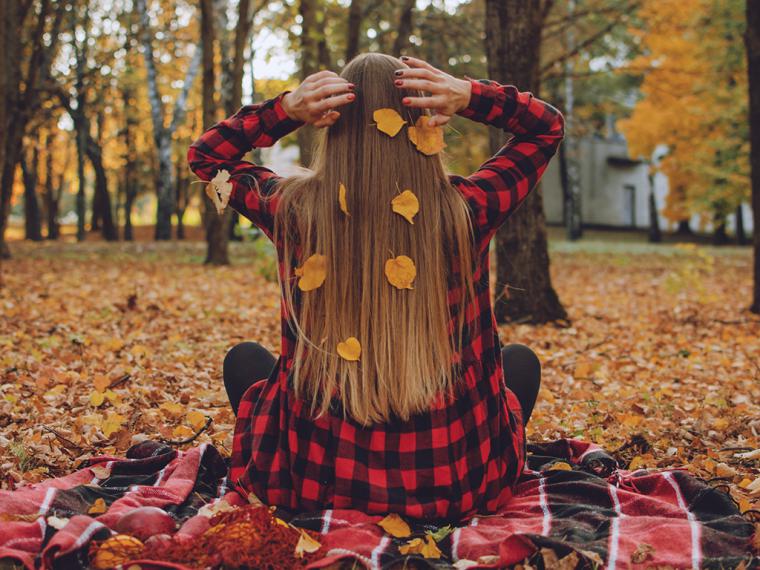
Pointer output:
x,y
524,291
162,135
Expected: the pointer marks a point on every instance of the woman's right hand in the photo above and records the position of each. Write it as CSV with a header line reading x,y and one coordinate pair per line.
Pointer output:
x,y
448,95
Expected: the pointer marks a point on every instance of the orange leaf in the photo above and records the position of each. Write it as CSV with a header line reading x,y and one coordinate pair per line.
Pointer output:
x,y
350,349
427,139
219,190
400,272
407,205
312,273
394,525
98,507
388,121
342,198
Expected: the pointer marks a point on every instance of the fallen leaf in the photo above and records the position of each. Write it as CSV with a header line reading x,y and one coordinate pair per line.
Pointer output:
x,y
306,544
427,547
342,198
312,273
172,408
97,398
182,432
350,349
427,139
219,190
394,525
101,382
406,204
642,553
112,424
98,507
388,121
400,272
196,419
560,466
101,472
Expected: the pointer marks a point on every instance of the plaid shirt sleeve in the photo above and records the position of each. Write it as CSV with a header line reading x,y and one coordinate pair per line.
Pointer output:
x,y
502,182
223,146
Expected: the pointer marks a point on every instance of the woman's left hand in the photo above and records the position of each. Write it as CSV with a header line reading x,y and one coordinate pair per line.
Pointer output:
x,y
315,99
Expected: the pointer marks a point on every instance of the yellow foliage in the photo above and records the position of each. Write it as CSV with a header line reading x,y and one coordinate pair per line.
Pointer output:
x,y
394,525
342,199
407,205
312,273
350,349
388,121
400,272
427,139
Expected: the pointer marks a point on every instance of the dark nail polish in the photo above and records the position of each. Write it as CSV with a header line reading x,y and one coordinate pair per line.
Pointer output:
x,y
405,101
404,57
398,82
398,72
351,87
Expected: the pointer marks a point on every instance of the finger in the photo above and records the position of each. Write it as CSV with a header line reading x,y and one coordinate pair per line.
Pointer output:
x,y
319,75
417,63
438,120
328,120
416,73
434,102
328,81
328,90
421,84
331,103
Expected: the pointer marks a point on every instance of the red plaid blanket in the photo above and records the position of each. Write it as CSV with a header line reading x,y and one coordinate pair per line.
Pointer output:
x,y
571,503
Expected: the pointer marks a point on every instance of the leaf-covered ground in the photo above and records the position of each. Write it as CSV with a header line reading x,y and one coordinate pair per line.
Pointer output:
x,y
104,345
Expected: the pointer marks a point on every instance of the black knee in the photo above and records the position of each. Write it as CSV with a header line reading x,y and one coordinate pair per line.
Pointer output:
x,y
244,364
522,375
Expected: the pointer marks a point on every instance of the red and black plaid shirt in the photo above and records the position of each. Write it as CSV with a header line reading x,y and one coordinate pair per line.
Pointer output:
x,y
448,463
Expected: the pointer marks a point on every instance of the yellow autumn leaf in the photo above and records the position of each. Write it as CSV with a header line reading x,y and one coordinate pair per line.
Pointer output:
x,y
172,408
400,272
101,472
219,190
394,525
342,198
427,547
306,544
406,204
636,463
427,139
112,424
560,466
350,349
196,419
101,382
312,273
97,398
388,121
182,432
98,507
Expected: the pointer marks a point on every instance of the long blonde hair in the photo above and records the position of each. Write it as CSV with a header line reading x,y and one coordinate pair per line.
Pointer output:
x,y
410,341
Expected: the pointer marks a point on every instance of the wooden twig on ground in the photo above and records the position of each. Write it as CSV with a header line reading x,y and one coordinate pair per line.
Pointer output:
x,y
192,438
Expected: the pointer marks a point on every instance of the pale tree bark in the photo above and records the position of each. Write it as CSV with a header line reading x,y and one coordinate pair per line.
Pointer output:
x,y
752,40
162,135
524,290
25,28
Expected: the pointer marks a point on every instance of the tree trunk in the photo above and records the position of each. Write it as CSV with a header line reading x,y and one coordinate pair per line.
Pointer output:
x,y
52,195
162,135
80,201
752,40
684,229
310,39
94,153
720,236
524,291
404,27
354,29
32,216
217,229
655,235
741,234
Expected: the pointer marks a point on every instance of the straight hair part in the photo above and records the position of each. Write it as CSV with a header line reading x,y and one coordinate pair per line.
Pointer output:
x,y
410,339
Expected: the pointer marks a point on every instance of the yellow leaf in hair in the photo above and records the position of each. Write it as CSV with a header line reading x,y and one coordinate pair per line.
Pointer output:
x,y
388,121
427,139
219,190
394,525
312,273
350,349
400,272
406,204
342,198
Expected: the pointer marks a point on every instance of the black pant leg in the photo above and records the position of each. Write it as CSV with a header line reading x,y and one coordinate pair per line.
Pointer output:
x,y
245,364
522,374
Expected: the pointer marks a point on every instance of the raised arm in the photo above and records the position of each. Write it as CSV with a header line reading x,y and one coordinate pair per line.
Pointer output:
x,y
505,180
501,183
223,146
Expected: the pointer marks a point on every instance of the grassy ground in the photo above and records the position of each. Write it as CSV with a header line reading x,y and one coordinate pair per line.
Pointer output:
x,y
102,345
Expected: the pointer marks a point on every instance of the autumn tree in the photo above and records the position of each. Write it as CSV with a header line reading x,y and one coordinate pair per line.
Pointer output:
x,y
30,42
752,40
